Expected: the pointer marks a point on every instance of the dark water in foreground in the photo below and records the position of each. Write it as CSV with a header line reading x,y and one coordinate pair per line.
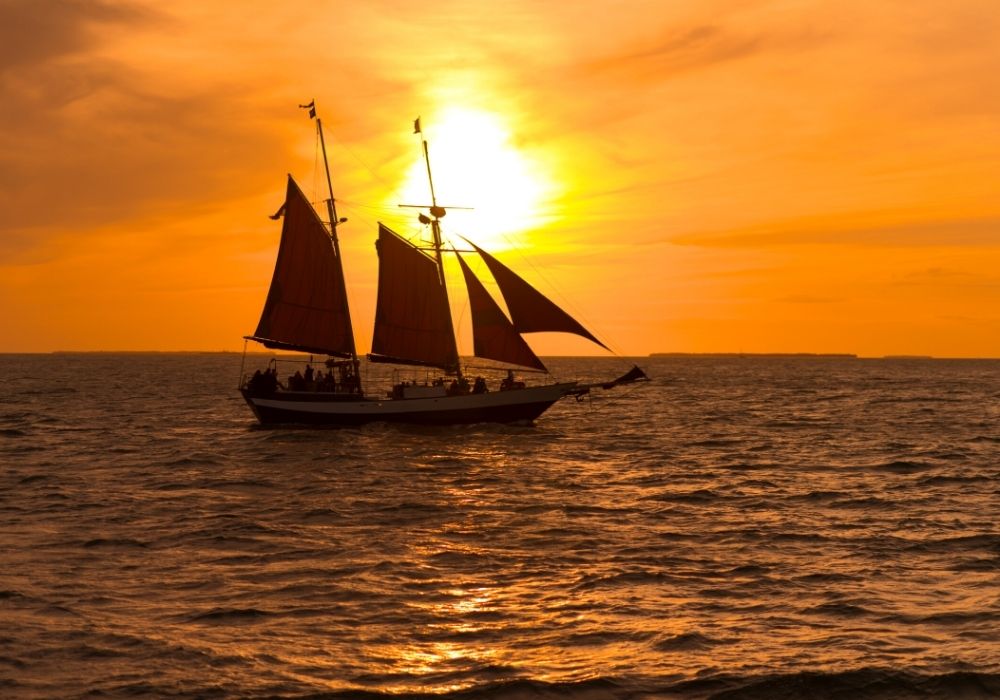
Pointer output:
x,y
737,528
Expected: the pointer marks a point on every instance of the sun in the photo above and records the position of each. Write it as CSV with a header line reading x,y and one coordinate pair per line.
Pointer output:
x,y
475,164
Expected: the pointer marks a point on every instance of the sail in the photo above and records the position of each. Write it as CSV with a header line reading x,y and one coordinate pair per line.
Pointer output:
x,y
631,377
530,310
306,308
412,318
493,336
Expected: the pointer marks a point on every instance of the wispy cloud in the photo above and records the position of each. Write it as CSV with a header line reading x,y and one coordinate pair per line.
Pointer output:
x,y
807,299
853,232
33,32
87,139
679,49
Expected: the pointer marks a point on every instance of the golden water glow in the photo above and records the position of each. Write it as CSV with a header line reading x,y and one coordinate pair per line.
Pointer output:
x,y
476,164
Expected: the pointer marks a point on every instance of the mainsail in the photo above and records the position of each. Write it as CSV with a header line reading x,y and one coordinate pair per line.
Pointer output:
x,y
530,310
412,317
493,336
306,308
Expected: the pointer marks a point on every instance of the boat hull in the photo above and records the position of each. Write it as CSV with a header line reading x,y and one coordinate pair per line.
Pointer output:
x,y
311,408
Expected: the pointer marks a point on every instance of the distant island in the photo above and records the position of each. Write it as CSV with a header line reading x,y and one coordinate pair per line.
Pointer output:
x,y
841,356
792,355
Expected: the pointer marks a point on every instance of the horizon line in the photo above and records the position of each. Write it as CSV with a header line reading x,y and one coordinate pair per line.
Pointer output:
x,y
652,355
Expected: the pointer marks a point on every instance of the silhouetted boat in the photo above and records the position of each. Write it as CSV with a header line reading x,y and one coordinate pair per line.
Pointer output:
x,y
307,311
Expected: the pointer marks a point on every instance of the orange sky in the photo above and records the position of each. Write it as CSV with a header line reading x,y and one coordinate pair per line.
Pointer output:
x,y
707,176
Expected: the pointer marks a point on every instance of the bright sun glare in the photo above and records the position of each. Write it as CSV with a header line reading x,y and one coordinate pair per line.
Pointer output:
x,y
475,165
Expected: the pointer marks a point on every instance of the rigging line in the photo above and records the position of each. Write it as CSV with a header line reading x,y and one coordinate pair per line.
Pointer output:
x,y
316,150
614,401
353,154
355,217
486,279
361,205
612,346
461,313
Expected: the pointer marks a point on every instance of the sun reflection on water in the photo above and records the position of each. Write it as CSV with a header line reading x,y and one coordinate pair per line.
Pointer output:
x,y
450,660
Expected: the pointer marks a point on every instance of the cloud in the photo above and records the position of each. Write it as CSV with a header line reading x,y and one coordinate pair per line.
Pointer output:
x,y
941,277
92,139
852,232
807,299
34,31
681,49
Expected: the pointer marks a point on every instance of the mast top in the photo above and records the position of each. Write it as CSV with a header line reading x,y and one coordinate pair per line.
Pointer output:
x,y
335,221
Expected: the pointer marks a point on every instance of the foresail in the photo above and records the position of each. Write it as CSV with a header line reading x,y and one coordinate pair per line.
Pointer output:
x,y
412,317
493,336
530,310
306,309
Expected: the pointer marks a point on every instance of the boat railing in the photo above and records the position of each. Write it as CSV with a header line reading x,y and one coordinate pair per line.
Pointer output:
x,y
335,377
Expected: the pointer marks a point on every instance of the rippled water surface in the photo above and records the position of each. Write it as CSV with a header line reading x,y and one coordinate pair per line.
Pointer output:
x,y
746,527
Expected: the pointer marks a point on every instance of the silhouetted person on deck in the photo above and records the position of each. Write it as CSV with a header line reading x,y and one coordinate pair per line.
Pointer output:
x,y
272,379
510,383
269,380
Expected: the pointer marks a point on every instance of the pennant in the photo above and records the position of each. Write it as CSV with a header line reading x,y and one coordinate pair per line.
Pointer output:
x,y
416,126
311,107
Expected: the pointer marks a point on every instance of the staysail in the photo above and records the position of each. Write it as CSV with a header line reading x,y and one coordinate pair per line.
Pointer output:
x,y
412,317
530,310
493,336
306,308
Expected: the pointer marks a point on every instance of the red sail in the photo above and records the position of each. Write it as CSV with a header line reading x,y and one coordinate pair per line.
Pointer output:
x,y
306,309
529,309
412,318
493,336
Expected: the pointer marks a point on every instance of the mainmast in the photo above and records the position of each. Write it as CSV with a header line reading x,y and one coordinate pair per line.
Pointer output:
x,y
334,222
435,222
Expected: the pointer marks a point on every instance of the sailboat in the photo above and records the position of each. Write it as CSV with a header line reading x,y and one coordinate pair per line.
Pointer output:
x,y
307,311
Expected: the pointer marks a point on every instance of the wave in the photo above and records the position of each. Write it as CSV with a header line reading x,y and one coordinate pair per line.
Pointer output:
x,y
49,391
229,615
985,438
865,503
114,542
902,466
951,479
917,399
717,442
622,579
688,641
839,609
861,684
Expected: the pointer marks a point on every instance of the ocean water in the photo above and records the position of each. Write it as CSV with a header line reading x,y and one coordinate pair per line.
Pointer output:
x,y
735,528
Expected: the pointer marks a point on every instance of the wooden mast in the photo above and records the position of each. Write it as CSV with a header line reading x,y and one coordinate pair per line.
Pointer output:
x,y
334,222
436,214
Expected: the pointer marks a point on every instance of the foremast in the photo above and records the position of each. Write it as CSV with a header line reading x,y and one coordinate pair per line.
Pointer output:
x,y
307,308
331,206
